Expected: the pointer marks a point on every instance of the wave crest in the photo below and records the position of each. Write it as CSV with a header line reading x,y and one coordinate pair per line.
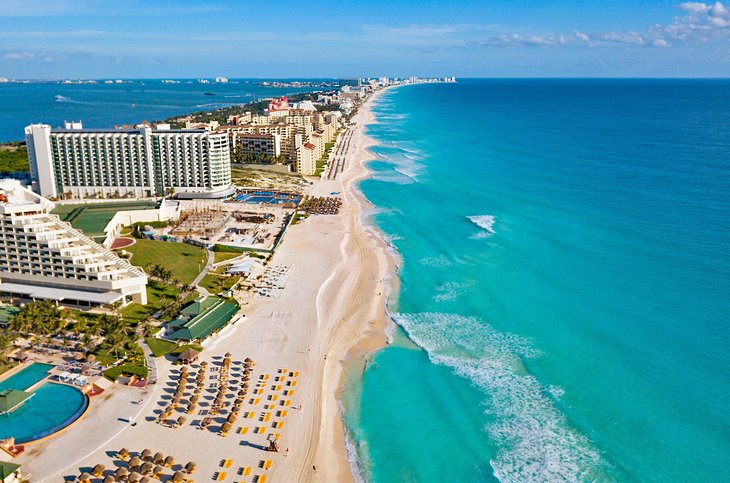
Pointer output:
x,y
536,443
485,222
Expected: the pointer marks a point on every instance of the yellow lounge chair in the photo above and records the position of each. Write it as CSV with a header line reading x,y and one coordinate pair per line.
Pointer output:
x,y
246,471
243,430
274,397
268,464
261,479
227,463
222,475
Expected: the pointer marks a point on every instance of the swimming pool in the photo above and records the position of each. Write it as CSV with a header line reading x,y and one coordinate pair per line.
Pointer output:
x,y
52,407
26,377
268,197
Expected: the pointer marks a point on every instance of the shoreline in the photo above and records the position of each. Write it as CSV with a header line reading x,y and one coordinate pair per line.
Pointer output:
x,y
371,334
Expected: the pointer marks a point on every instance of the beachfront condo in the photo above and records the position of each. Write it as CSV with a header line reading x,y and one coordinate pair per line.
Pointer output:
x,y
42,257
74,162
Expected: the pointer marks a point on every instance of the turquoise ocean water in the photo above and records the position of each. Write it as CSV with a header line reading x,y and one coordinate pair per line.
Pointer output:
x,y
565,300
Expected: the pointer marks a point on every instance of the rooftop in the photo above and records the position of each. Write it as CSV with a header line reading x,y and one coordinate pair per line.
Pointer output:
x,y
203,317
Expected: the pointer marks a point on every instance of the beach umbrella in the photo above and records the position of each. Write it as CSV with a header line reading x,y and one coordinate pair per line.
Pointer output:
x,y
145,479
147,468
241,393
200,378
204,364
146,454
177,477
226,427
227,355
184,370
98,470
169,461
134,462
121,472
109,479
159,458
134,477
123,453
181,420
190,408
195,399
85,477
248,360
231,418
158,470
190,467
238,401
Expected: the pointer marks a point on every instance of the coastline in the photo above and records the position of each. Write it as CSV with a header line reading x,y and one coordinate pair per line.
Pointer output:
x,y
376,260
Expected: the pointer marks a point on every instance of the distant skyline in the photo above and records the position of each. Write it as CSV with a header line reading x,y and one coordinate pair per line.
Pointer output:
x,y
51,39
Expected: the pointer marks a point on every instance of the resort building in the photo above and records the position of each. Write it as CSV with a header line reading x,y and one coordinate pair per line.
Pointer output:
x,y
255,144
128,163
306,159
42,257
201,319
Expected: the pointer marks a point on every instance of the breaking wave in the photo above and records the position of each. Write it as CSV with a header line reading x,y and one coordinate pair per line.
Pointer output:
x,y
485,222
535,440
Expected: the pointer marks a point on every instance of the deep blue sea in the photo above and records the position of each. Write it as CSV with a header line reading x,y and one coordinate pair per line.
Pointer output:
x,y
564,311
104,105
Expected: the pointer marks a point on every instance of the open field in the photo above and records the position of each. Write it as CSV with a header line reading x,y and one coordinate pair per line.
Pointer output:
x,y
257,178
183,260
13,158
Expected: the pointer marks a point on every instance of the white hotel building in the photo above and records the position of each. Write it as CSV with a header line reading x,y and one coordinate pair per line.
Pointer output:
x,y
134,163
42,257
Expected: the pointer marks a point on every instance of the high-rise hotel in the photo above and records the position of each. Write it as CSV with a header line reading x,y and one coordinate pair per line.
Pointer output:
x,y
43,257
74,162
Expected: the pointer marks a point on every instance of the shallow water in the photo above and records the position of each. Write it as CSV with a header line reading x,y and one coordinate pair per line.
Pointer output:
x,y
565,278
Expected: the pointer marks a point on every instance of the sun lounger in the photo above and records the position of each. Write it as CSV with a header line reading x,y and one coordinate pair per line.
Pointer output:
x,y
222,475
227,463
261,479
246,471
268,464
243,430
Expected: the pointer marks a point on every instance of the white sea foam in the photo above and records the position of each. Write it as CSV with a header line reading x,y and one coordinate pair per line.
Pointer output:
x,y
448,291
440,261
485,222
535,440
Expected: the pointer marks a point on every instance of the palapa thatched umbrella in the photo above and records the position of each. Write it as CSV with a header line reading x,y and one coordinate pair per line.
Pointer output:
x,y
145,479
134,477
245,385
200,378
204,364
146,454
123,453
109,479
84,478
178,477
98,470
231,418
238,401
158,471
191,408
135,462
121,472
241,393
195,399
180,421
190,467
169,461
176,401
147,468
183,370
226,428
248,361
158,458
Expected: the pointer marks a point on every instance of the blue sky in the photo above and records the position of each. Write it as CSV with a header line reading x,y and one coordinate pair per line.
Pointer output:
x,y
491,38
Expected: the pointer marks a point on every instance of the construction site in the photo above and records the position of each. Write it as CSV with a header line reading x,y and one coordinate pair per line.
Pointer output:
x,y
232,224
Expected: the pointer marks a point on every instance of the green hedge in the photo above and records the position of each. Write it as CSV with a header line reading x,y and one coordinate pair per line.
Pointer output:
x,y
160,347
128,370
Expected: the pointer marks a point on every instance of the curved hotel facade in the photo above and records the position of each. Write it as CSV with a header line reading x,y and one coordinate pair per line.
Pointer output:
x,y
128,163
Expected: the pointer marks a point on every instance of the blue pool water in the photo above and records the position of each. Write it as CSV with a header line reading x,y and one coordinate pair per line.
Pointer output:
x,y
25,378
565,283
270,198
51,408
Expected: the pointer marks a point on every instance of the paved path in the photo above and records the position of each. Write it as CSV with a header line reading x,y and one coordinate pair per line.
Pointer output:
x,y
211,259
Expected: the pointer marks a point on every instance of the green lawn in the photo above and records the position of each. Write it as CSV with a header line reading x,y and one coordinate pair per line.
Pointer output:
x,y
215,284
160,347
156,293
223,256
183,260
129,369
182,348
13,159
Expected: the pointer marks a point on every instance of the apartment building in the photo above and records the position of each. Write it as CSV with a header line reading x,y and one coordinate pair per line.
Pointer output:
x,y
268,145
135,163
42,257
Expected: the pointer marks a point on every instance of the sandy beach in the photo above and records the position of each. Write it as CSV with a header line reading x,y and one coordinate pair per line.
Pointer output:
x,y
332,311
